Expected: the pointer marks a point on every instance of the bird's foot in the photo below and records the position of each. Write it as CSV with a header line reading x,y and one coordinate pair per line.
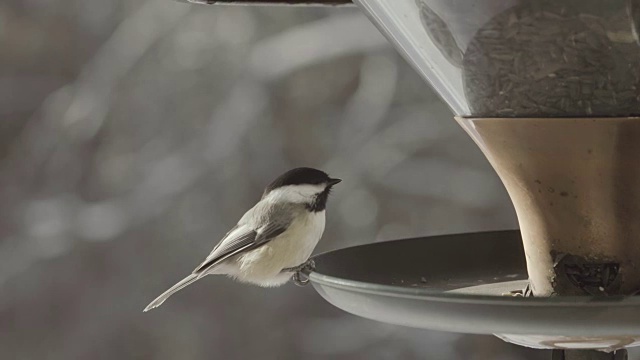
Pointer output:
x,y
308,265
301,272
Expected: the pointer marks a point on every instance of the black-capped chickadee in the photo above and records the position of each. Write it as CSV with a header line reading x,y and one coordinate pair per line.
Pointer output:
x,y
274,239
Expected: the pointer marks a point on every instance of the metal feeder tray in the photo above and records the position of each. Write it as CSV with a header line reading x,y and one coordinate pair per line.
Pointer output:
x,y
466,283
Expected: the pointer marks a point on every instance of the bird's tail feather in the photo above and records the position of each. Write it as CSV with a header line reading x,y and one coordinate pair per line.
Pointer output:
x,y
175,288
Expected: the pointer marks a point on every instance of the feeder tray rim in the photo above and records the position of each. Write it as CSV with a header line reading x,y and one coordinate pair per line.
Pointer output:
x,y
316,277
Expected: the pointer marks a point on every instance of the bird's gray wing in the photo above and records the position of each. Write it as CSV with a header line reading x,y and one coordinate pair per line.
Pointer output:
x,y
248,236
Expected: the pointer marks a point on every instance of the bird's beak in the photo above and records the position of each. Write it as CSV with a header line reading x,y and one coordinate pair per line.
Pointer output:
x,y
332,182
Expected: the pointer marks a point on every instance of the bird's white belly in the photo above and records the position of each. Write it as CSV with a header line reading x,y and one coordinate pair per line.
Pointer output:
x,y
263,266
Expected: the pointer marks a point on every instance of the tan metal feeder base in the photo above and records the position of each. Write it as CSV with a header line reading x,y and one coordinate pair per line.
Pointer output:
x,y
575,186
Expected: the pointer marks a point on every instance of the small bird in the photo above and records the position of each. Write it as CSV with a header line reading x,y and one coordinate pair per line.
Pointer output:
x,y
273,240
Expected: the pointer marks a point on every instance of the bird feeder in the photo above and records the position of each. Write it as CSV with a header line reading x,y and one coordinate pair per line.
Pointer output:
x,y
550,92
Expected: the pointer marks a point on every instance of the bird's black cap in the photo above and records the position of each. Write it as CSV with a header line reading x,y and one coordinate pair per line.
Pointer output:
x,y
301,176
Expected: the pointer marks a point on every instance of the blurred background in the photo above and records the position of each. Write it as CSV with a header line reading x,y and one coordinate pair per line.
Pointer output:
x,y
135,134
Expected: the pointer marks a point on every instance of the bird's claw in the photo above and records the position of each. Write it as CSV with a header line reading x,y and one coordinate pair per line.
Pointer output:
x,y
301,272
299,279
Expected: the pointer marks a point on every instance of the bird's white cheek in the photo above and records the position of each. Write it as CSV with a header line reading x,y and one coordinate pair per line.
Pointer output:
x,y
294,193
